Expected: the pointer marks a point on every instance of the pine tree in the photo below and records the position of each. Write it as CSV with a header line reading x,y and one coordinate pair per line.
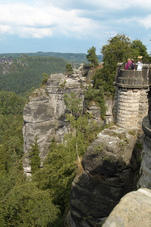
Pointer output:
x,y
69,69
92,57
34,157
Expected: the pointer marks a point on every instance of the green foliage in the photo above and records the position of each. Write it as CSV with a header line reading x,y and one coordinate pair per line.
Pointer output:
x,y
25,72
139,49
69,57
27,206
69,69
73,104
118,49
11,146
10,103
96,95
57,174
92,57
44,78
34,157
11,125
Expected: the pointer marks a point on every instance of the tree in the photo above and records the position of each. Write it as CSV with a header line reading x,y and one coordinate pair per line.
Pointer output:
x,y
44,78
34,157
96,95
69,69
92,57
117,50
26,205
139,49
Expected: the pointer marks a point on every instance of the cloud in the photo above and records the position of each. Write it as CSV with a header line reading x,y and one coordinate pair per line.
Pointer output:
x,y
35,32
4,29
100,4
120,4
47,18
146,22
39,21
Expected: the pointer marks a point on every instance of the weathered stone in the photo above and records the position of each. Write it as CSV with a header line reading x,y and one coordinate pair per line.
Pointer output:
x,y
94,111
145,179
44,114
109,103
133,210
110,170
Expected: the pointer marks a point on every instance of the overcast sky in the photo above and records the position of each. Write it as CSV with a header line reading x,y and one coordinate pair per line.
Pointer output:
x,y
71,25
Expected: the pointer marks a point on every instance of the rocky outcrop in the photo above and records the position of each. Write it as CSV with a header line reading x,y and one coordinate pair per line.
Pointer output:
x,y
145,179
134,210
109,103
94,110
110,170
44,114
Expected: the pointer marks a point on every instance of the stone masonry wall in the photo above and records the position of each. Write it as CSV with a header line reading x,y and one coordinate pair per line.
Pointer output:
x,y
131,107
131,97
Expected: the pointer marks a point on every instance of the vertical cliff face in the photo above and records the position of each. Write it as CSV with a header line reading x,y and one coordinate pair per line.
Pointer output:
x,y
145,179
110,170
44,114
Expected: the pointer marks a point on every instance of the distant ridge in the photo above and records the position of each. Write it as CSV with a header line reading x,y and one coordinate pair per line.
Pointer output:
x,y
71,57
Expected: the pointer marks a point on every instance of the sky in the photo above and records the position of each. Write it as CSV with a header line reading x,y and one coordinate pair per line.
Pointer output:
x,y
71,25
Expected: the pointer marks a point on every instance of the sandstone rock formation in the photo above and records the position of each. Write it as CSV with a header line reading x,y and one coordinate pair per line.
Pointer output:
x,y
110,170
145,179
134,210
145,172
44,114
109,103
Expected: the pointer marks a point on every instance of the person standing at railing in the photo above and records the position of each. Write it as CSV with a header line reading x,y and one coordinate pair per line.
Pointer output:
x,y
128,64
132,66
139,63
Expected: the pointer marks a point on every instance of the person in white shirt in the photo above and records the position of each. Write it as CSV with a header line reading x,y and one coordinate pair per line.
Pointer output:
x,y
139,64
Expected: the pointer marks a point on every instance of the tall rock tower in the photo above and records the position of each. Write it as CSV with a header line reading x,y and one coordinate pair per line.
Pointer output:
x,y
145,179
131,102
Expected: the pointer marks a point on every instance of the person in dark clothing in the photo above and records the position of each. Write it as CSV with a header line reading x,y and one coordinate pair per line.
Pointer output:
x,y
132,66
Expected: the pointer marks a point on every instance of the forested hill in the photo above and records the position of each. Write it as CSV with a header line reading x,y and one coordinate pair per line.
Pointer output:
x,y
70,57
25,72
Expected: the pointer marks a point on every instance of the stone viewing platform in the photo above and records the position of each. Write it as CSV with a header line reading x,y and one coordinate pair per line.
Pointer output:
x,y
133,78
131,101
